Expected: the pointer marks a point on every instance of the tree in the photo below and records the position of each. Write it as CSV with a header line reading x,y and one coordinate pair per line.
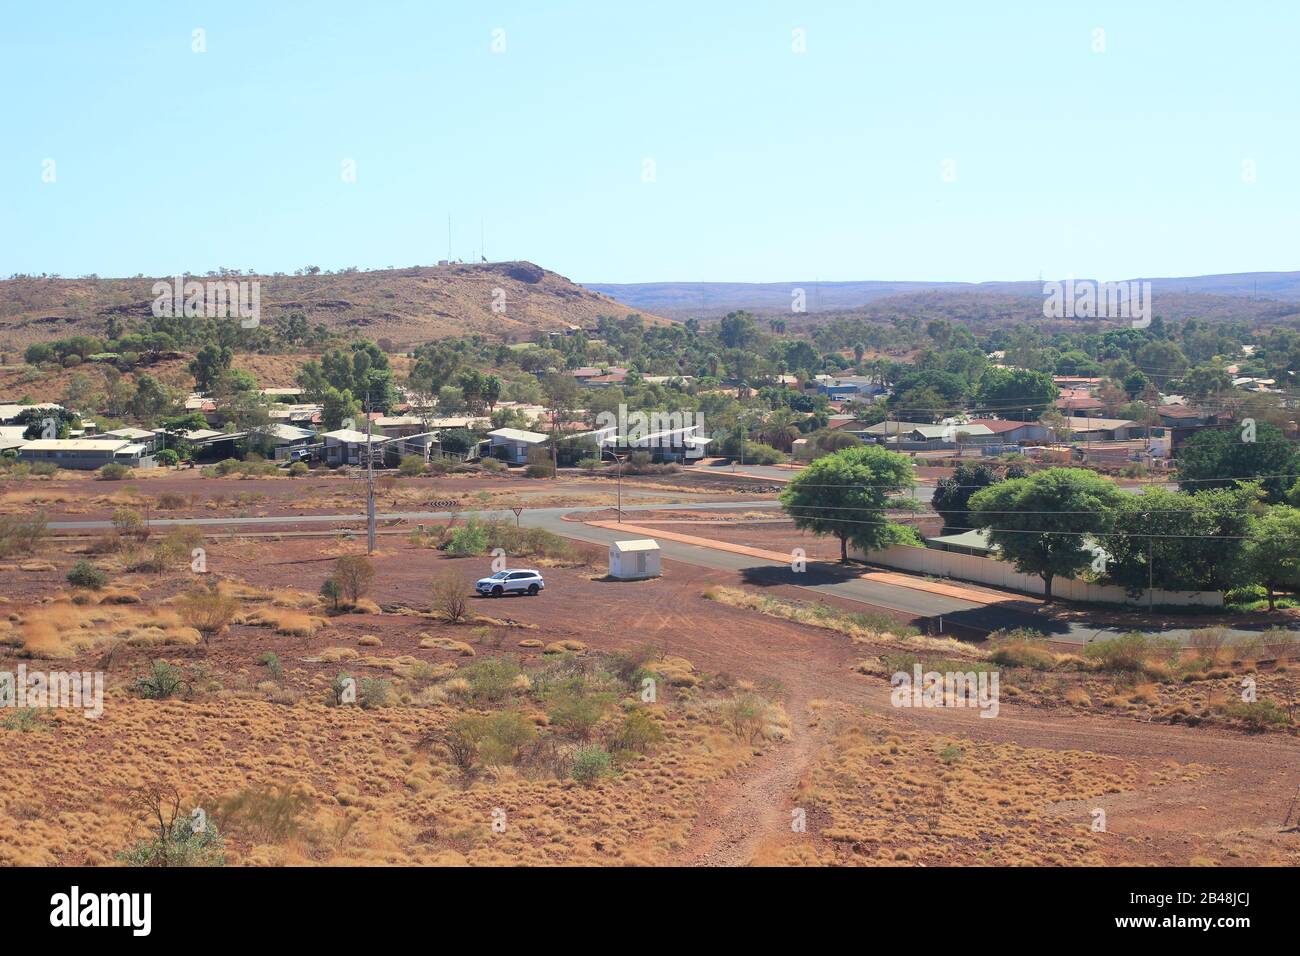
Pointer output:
x,y
1017,393
210,362
845,494
337,407
1042,523
1273,550
1179,541
353,573
1221,458
951,495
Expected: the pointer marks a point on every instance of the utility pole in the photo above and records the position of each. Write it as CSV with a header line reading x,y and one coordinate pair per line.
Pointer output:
x,y
370,483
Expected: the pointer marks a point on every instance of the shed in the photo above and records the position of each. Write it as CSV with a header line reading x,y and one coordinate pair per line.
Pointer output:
x,y
633,560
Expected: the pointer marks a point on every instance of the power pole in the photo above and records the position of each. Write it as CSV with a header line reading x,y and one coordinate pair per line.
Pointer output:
x,y
370,483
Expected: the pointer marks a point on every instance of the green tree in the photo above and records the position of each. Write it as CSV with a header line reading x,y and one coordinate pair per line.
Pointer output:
x,y
338,406
1221,458
846,495
951,495
1273,551
1017,393
210,362
1180,541
1040,523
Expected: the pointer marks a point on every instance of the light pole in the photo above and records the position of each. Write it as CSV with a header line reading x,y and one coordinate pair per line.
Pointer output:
x,y
618,461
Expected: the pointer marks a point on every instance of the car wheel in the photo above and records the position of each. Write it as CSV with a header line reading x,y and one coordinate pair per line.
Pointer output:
x,y
532,590
497,591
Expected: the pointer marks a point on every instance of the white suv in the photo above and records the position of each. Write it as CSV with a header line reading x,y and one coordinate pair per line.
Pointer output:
x,y
511,581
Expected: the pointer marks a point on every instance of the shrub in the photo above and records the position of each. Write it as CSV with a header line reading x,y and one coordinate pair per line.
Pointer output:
x,y
373,693
449,599
410,466
462,739
575,712
44,469
298,469
178,842
469,539
19,534
505,736
271,661
1129,653
86,575
491,679
130,524
25,720
590,464
264,814
1257,715
590,763
950,754
170,500
1025,649
490,465
639,733
745,716
163,681
329,590
208,611
339,687
168,458
114,471
353,573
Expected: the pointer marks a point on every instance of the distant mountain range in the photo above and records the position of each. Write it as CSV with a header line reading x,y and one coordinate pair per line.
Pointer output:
x,y
680,300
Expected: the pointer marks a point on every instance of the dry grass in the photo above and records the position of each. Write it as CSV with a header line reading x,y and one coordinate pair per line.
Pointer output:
x,y
878,797
862,628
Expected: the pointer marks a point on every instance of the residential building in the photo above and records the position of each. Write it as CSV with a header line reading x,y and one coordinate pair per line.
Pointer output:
x,y
86,453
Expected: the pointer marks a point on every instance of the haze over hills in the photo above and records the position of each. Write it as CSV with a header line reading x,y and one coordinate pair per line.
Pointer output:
x,y
682,299
406,306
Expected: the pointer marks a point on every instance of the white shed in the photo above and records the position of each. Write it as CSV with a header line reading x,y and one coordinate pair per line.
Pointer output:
x,y
632,560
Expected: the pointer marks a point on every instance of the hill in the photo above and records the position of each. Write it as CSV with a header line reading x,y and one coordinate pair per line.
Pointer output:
x,y
684,299
406,306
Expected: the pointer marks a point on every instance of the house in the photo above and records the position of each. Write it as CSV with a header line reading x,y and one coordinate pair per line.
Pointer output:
x,y
670,445
9,412
634,560
287,394
205,444
400,426
303,416
1088,428
512,445
286,441
1075,400
1016,433
86,453
884,431
139,436
946,436
348,447
846,386
591,377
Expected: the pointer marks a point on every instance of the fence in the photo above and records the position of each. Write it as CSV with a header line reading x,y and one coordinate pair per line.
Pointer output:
x,y
1001,574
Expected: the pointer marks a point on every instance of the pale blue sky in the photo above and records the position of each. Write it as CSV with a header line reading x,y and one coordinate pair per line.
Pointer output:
x,y
770,165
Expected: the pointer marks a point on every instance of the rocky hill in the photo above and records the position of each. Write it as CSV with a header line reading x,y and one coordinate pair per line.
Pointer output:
x,y
405,306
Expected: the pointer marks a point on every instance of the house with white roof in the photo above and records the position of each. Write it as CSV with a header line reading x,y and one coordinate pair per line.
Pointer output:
x,y
346,446
512,445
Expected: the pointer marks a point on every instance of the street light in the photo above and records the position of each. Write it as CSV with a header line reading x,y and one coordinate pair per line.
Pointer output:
x,y
619,462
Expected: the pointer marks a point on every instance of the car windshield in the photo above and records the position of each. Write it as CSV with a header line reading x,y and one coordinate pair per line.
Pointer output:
x,y
500,576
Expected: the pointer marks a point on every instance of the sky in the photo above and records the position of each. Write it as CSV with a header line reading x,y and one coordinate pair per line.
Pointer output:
x,y
634,142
